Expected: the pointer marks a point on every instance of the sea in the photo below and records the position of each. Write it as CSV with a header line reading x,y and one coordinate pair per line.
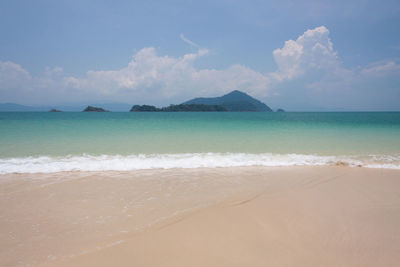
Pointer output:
x,y
45,142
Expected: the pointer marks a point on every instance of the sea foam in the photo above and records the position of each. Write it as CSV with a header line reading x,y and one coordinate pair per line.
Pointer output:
x,y
45,164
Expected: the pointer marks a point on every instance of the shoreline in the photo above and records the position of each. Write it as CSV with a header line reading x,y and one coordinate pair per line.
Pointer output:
x,y
158,162
236,216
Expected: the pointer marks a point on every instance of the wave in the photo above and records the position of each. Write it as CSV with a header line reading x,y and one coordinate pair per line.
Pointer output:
x,y
46,164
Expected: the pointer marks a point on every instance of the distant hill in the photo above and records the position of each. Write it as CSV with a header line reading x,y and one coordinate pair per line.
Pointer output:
x,y
234,101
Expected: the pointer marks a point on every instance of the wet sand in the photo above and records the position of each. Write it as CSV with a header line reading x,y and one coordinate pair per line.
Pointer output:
x,y
251,216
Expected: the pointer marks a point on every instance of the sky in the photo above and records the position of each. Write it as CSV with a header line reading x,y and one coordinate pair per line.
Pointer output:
x,y
297,55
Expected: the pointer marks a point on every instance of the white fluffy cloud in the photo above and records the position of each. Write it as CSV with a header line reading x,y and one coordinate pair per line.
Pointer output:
x,y
146,69
170,76
311,51
310,59
173,76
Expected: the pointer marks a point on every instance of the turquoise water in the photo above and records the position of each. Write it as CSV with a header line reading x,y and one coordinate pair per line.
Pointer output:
x,y
126,135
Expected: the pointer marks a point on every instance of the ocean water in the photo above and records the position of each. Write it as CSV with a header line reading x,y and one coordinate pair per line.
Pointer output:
x,y
51,142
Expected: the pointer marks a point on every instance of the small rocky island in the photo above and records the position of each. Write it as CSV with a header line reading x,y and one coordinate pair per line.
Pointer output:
x,y
54,110
94,109
280,110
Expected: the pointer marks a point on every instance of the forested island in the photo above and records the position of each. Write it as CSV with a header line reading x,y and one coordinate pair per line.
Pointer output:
x,y
234,101
179,108
94,109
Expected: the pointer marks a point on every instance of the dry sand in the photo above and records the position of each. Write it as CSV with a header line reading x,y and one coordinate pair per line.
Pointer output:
x,y
291,216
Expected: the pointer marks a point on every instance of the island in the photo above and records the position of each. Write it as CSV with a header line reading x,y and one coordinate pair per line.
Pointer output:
x,y
144,108
94,109
179,108
280,110
54,110
235,101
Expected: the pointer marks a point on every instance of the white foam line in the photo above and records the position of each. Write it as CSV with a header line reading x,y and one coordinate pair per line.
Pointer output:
x,y
45,164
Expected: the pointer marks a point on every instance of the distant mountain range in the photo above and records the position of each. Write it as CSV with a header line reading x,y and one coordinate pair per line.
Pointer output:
x,y
234,101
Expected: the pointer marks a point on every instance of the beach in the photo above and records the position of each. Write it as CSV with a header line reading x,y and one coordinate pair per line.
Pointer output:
x,y
238,216
199,189
200,133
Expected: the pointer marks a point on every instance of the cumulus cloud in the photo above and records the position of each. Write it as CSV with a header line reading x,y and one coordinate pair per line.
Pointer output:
x,y
171,76
310,62
309,70
312,51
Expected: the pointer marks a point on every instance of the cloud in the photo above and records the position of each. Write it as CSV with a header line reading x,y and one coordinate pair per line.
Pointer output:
x,y
171,77
308,70
381,68
12,75
312,51
186,40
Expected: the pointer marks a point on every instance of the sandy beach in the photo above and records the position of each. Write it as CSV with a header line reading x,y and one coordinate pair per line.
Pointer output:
x,y
247,216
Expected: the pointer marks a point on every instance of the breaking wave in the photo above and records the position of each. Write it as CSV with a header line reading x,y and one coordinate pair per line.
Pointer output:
x,y
46,164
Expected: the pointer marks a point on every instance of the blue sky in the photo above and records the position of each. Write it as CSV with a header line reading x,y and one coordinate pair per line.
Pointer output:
x,y
299,55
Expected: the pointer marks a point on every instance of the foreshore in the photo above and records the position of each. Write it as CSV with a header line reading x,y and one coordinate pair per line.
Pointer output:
x,y
241,216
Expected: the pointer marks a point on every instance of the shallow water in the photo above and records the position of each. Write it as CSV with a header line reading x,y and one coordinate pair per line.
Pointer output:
x,y
47,142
